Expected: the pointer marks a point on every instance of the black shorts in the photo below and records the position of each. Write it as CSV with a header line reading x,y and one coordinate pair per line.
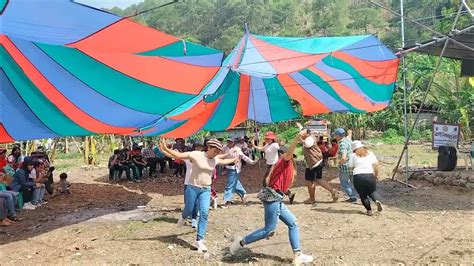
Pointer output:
x,y
315,173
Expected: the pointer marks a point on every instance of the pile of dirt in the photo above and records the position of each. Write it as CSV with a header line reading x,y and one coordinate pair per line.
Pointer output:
x,y
86,201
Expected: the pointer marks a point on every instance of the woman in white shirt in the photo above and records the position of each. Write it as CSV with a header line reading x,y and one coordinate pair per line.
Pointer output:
x,y
234,185
365,170
270,149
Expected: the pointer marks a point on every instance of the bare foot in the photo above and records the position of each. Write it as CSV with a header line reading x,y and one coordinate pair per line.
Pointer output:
x,y
4,222
309,201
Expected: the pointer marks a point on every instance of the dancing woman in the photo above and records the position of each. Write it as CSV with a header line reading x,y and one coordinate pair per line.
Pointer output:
x,y
279,180
366,170
199,186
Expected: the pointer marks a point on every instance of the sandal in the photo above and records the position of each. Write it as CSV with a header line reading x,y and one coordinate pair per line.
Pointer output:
x,y
14,218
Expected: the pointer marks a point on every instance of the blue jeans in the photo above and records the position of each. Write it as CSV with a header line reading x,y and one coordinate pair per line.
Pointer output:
x,y
38,194
233,185
195,211
201,196
345,179
274,211
10,199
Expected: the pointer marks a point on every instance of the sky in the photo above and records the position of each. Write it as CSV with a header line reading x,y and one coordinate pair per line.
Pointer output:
x,y
109,3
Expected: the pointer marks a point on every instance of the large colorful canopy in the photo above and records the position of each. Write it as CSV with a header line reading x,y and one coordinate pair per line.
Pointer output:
x,y
263,74
69,70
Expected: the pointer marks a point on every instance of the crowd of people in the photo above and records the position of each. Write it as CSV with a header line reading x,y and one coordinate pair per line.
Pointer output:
x,y
24,181
202,162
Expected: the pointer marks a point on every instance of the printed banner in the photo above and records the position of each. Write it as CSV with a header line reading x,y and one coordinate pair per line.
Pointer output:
x,y
445,135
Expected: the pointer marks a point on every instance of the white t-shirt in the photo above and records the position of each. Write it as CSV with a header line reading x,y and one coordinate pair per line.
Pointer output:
x,y
189,169
202,169
362,165
236,152
271,153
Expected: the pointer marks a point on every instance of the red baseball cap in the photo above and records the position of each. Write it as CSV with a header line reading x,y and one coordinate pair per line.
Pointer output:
x,y
270,135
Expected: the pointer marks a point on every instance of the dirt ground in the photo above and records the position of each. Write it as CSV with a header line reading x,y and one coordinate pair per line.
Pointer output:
x,y
132,224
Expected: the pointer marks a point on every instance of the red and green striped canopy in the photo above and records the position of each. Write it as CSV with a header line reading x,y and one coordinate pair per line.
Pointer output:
x,y
69,70
263,74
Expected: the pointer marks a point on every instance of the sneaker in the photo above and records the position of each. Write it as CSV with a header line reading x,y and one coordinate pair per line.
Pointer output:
x,y
302,259
194,223
225,205
44,202
369,213
29,206
200,246
235,246
37,204
379,206
351,200
181,221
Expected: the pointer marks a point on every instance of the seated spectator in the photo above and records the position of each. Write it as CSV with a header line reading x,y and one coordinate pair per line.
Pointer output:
x,y
15,159
128,166
63,185
10,197
41,154
38,175
115,168
151,158
22,183
4,221
138,161
3,159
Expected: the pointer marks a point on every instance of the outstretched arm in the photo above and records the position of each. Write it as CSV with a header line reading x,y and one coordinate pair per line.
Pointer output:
x,y
291,150
226,161
173,153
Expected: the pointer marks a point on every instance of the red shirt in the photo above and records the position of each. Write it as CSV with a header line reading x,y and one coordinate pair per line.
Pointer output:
x,y
333,150
3,163
282,174
322,146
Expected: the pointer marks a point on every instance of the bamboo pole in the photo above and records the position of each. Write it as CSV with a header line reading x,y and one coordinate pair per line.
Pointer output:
x,y
86,150
53,152
66,146
77,145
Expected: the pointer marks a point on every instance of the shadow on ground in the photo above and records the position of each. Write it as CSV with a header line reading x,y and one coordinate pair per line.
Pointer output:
x,y
85,202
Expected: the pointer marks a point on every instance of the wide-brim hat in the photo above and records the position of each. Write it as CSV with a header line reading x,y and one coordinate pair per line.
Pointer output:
x,y
356,144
